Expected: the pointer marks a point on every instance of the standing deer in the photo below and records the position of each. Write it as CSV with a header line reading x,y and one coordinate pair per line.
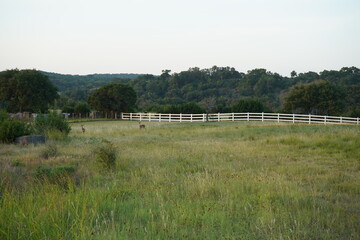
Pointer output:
x,y
82,128
141,126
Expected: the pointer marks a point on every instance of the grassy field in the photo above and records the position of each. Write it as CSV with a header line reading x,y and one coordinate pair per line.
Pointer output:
x,y
186,181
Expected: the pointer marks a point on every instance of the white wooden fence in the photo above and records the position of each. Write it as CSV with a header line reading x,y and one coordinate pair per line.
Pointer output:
x,y
218,117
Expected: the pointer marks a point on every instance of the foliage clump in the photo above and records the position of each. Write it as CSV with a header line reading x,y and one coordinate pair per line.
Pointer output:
x,y
50,150
318,97
10,129
114,97
105,155
26,90
249,105
59,175
47,124
82,108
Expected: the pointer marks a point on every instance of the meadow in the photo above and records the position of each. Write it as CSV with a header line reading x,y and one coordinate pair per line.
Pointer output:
x,y
234,180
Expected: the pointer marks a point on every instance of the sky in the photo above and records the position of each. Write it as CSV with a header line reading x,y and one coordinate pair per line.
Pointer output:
x,y
148,36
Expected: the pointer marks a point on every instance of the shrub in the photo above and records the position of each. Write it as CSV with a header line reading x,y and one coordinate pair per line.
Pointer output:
x,y
105,155
247,105
10,129
17,163
42,173
59,175
55,134
62,171
3,116
44,124
355,112
50,150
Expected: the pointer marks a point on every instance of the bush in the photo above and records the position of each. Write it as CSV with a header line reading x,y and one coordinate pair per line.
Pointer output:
x,y
3,116
50,150
10,129
59,175
55,134
105,155
355,112
17,163
62,171
44,124
42,173
247,105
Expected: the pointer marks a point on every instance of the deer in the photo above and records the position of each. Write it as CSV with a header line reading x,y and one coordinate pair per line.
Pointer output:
x,y
141,126
82,129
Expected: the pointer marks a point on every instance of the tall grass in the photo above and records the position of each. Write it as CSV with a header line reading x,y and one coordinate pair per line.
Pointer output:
x,y
193,181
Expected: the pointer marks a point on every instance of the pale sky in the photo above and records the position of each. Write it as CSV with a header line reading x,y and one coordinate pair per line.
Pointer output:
x,y
147,36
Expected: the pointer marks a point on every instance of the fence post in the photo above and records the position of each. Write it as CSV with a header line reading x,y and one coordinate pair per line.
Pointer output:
x,y
218,117
121,116
357,121
309,118
203,117
169,117
325,119
293,117
149,114
278,118
191,117
233,116
340,120
262,116
130,116
248,116
159,117
180,117
140,117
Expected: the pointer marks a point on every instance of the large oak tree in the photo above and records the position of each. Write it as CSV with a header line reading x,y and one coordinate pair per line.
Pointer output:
x,y
26,90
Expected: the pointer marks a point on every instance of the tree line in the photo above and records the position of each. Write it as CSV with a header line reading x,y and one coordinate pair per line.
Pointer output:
x,y
215,89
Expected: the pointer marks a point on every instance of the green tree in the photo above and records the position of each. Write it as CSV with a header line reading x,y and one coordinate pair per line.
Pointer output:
x,y
293,74
82,108
319,97
26,90
114,97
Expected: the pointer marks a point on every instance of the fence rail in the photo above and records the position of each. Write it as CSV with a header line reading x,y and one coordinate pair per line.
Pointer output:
x,y
219,117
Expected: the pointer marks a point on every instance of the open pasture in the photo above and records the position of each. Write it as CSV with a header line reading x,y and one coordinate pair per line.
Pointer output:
x,y
187,180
